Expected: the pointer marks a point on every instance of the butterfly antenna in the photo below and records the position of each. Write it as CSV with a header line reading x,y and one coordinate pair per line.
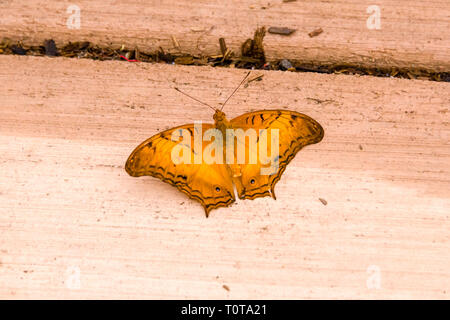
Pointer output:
x,y
194,98
240,84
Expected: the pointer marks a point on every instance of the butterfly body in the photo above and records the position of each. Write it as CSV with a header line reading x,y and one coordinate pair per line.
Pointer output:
x,y
213,184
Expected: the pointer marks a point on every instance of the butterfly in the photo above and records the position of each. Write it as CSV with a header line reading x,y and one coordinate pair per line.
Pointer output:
x,y
213,184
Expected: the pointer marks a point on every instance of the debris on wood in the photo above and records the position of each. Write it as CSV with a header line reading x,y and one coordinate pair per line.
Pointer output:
x,y
201,61
127,57
254,48
315,32
281,30
223,46
324,202
196,29
394,72
226,287
252,57
286,65
4,45
246,48
18,49
162,56
175,43
50,48
256,78
289,0
136,54
186,60
268,6
76,49
319,101
226,53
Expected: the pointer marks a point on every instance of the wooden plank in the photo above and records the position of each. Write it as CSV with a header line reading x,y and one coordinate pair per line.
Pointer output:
x,y
412,34
75,225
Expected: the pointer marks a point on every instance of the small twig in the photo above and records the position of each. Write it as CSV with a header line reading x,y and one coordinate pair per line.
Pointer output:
x,y
175,43
223,46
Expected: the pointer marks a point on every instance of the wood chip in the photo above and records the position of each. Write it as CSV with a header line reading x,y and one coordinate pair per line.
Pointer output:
x,y
315,33
324,202
226,287
281,30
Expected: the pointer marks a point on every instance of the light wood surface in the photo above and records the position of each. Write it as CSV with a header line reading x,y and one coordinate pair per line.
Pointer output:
x,y
74,225
412,34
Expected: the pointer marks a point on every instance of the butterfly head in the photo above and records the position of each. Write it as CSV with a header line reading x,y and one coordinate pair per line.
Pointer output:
x,y
219,117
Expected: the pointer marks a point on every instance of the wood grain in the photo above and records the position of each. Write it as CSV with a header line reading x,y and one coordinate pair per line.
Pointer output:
x,y
412,34
75,225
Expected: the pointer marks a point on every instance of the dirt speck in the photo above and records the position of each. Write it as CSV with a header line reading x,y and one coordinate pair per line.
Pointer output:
x,y
315,32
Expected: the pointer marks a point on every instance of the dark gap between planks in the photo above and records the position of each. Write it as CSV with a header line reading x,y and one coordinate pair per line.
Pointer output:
x,y
251,57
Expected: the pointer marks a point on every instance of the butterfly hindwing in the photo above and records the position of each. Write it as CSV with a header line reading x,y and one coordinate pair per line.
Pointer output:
x,y
210,184
295,130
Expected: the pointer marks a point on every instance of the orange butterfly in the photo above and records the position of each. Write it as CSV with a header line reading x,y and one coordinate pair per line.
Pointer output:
x,y
212,183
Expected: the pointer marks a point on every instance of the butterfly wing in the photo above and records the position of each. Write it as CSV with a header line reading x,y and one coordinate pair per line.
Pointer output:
x,y
210,184
296,130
